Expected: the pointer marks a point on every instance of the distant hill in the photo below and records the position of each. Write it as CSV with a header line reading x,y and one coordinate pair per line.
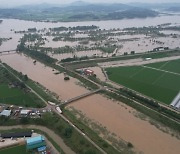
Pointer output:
x,y
11,13
92,8
79,3
132,13
161,6
77,11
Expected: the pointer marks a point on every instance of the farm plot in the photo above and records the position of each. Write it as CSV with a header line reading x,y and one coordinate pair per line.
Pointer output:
x,y
172,66
15,150
18,97
150,80
15,92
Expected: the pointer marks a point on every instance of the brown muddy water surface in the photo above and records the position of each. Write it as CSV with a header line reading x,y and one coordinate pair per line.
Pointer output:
x,y
119,119
45,76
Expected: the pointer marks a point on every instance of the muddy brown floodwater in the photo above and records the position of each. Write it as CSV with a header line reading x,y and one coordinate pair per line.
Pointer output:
x,y
45,76
120,120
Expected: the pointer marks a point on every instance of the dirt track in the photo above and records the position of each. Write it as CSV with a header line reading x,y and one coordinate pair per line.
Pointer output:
x,y
135,62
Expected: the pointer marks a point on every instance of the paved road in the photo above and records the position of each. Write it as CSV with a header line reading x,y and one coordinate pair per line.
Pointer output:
x,y
50,133
135,62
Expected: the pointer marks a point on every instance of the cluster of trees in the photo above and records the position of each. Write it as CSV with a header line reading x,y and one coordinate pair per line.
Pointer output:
x,y
32,30
74,59
35,54
76,28
6,77
4,39
108,49
31,38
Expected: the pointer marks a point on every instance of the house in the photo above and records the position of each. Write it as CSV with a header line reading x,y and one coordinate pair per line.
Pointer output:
x,y
24,112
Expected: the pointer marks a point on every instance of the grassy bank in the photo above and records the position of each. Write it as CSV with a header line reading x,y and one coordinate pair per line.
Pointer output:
x,y
92,134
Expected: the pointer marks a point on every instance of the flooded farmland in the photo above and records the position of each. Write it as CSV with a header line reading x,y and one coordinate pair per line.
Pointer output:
x,y
125,23
7,30
90,53
120,119
115,116
45,76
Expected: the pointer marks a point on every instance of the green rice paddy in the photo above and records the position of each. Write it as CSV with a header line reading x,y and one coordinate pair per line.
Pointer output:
x,y
160,81
15,150
16,95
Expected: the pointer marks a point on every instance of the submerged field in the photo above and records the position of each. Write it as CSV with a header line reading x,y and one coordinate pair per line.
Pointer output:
x,y
160,81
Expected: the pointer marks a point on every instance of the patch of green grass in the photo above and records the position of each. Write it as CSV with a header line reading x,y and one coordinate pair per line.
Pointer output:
x,y
157,84
18,97
15,150
172,66
39,89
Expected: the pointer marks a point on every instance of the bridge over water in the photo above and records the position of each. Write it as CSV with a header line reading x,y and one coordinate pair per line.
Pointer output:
x,y
80,97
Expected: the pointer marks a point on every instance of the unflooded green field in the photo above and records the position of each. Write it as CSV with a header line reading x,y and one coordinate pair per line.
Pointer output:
x,y
16,95
15,150
158,84
172,66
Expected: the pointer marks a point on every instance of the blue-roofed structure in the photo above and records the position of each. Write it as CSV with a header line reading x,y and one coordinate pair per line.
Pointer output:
x,y
43,148
35,142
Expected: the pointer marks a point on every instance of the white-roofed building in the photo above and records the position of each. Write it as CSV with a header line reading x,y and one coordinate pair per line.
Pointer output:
x,y
6,113
176,102
25,112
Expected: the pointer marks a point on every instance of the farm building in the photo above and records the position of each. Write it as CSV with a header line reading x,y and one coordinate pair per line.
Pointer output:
x,y
41,149
88,72
6,113
35,142
25,112
16,135
176,102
